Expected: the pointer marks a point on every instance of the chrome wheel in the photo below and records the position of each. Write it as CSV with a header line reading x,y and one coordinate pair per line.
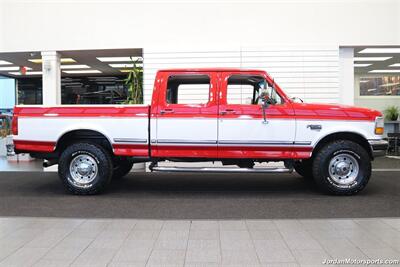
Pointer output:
x,y
83,170
343,169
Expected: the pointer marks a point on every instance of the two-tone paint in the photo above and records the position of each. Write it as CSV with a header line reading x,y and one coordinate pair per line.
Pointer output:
x,y
213,130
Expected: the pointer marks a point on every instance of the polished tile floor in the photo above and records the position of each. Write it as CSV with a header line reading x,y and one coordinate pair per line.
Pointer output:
x,y
129,242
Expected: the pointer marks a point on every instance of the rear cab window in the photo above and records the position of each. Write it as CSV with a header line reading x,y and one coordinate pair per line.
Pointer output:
x,y
188,89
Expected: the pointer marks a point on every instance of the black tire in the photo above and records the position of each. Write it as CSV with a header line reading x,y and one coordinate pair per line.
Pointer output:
x,y
100,174
121,168
304,168
325,177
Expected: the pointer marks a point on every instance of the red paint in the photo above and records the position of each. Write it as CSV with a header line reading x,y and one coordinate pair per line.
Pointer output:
x,y
34,146
184,151
131,150
14,125
333,112
83,111
234,151
266,152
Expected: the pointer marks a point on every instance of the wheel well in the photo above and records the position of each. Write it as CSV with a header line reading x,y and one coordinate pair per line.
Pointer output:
x,y
356,138
83,135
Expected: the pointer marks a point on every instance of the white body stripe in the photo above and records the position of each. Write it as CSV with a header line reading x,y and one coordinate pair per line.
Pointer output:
x,y
52,128
275,130
304,133
195,129
204,131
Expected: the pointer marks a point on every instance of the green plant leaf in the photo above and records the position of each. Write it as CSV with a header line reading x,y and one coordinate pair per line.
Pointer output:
x,y
391,113
134,83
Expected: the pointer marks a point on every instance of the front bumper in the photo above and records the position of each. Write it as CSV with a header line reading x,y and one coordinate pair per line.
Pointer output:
x,y
378,147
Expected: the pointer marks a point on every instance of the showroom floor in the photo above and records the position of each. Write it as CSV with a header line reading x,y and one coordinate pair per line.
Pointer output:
x,y
150,219
130,242
197,196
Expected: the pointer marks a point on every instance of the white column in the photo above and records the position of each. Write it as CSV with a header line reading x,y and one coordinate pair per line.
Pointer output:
x,y
346,76
51,78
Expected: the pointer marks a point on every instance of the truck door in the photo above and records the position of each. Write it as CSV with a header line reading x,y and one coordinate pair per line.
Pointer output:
x,y
242,130
186,119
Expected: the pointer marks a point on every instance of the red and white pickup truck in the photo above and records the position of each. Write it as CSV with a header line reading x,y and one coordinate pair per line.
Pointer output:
x,y
238,117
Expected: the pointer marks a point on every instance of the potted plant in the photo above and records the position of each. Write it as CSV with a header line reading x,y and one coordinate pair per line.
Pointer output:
x,y
391,113
134,82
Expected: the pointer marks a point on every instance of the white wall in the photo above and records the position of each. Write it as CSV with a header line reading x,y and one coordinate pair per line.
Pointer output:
x,y
230,27
346,75
308,72
28,25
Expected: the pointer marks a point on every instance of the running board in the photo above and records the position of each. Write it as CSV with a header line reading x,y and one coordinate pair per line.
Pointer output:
x,y
221,170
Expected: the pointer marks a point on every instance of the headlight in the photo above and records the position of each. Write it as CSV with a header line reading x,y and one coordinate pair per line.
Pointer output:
x,y
379,125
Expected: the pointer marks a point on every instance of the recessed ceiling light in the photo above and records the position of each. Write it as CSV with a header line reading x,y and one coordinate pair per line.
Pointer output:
x,y
63,60
360,65
67,60
27,73
385,71
364,81
118,59
379,50
371,58
66,67
12,68
125,65
395,65
125,70
81,71
8,68
3,62
34,73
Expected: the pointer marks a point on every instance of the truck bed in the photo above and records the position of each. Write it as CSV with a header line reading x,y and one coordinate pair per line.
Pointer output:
x,y
125,127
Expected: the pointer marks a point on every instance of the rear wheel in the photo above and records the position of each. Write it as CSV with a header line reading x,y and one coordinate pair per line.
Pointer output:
x,y
85,168
304,168
121,168
342,168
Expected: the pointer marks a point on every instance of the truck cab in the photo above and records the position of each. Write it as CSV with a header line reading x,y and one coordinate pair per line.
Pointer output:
x,y
238,117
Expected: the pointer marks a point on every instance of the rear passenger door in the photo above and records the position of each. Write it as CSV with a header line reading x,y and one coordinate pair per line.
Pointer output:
x,y
186,119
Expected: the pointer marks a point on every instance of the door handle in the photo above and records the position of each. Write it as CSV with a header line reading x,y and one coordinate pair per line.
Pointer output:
x,y
228,111
167,110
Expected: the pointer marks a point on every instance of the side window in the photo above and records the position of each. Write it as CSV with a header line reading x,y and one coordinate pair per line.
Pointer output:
x,y
188,89
249,89
240,93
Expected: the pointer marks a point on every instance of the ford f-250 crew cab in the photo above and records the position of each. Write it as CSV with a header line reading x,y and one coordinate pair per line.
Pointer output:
x,y
239,117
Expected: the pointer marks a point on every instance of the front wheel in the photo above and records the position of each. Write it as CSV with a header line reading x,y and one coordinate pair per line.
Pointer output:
x,y
342,168
85,168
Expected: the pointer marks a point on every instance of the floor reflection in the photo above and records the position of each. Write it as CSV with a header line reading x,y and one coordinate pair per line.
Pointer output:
x,y
34,165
